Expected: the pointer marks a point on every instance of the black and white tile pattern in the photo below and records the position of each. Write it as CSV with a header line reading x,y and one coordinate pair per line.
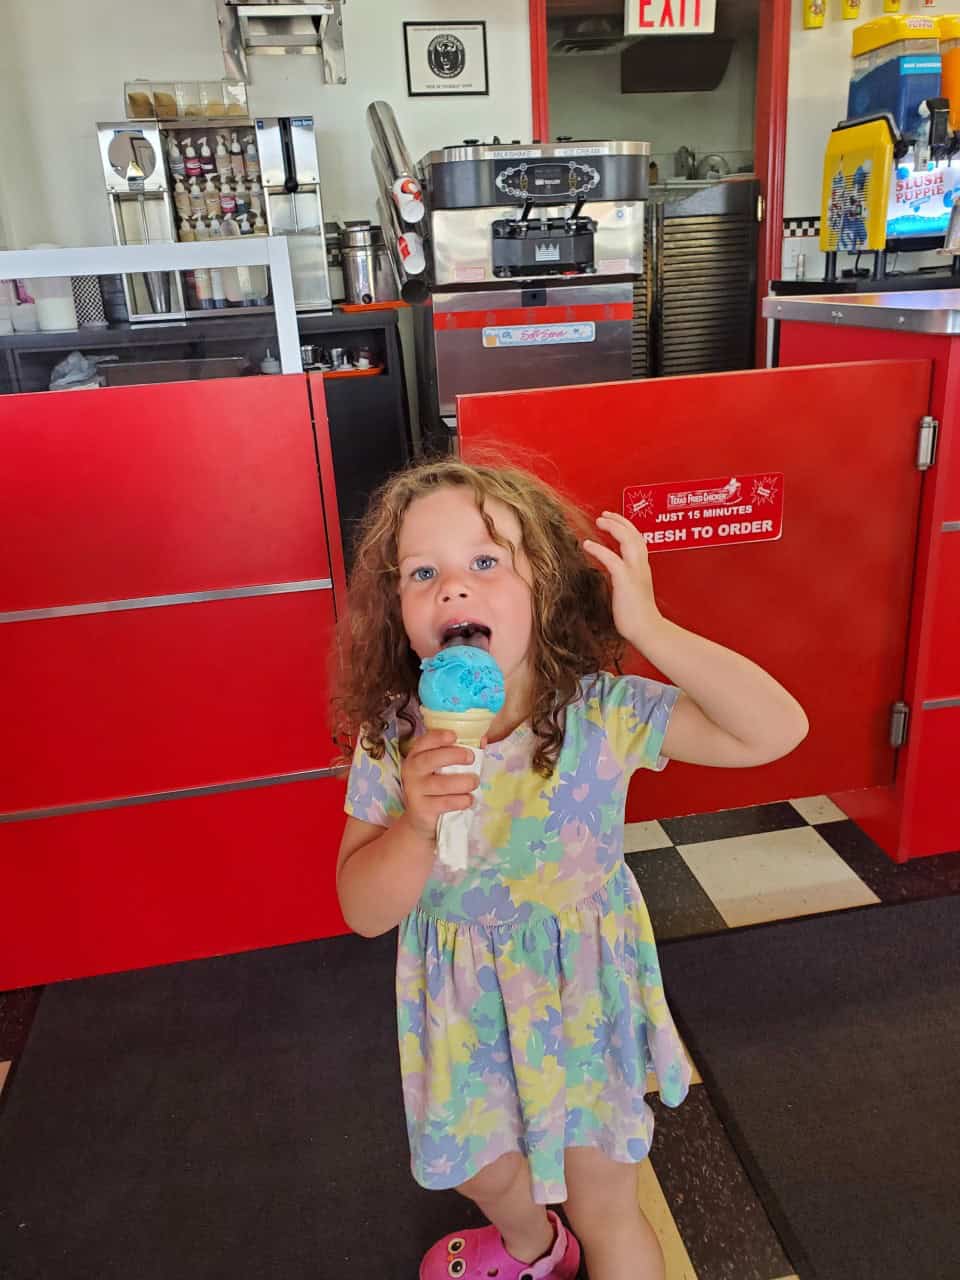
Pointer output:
x,y
794,228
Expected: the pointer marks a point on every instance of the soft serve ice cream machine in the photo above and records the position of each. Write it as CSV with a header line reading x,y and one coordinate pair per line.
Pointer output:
x,y
525,259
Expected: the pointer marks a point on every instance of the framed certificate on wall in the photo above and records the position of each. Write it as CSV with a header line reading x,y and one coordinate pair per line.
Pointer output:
x,y
445,58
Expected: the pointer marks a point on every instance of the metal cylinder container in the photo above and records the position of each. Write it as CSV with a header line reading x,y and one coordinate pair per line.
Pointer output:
x,y
332,232
367,272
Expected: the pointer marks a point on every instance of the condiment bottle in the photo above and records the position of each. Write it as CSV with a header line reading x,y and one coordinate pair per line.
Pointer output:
x,y
196,197
236,157
175,158
191,161
224,168
201,277
181,199
251,157
228,201
211,197
206,157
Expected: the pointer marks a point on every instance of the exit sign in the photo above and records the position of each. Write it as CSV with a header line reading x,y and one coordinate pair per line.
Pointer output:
x,y
669,17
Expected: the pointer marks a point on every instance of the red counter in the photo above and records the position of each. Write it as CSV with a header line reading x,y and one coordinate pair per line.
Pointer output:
x,y
169,588
919,812
173,573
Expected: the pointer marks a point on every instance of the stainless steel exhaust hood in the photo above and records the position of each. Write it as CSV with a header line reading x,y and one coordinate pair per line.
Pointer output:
x,y
282,26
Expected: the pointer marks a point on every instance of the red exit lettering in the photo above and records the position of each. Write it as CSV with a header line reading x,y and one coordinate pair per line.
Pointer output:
x,y
669,13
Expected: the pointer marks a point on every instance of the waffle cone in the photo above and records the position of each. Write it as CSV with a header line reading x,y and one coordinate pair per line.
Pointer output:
x,y
469,726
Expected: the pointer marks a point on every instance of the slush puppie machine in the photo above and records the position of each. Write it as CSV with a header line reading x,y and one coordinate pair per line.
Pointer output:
x,y
892,169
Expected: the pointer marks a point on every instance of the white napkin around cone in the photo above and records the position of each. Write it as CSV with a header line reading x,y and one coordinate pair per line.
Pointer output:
x,y
453,829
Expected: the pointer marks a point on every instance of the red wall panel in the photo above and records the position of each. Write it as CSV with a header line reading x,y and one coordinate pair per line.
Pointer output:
x,y
135,491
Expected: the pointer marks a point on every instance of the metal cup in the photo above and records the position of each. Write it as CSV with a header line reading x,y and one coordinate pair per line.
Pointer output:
x,y
308,356
336,356
158,290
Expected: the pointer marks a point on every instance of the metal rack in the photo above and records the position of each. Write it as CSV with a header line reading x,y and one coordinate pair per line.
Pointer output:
x,y
253,251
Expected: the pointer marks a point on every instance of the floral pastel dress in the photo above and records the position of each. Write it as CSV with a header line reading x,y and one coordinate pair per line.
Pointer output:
x,y
530,1004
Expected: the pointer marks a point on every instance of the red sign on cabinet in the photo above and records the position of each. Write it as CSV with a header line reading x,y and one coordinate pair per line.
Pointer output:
x,y
707,513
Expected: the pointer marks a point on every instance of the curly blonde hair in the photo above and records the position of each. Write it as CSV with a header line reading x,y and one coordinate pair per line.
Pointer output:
x,y
573,629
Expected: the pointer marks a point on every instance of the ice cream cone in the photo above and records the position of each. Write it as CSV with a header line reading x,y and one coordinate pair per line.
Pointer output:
x,y
468,725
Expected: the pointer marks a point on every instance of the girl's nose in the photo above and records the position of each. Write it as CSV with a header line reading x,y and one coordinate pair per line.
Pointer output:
x,y
452,588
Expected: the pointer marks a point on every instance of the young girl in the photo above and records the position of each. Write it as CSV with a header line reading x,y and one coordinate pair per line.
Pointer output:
x,y
530,1003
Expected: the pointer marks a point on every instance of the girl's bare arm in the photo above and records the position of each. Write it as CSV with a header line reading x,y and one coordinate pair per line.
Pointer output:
x,y
381,871
731,712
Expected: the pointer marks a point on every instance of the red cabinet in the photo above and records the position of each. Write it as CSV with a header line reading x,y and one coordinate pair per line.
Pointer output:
x,y
918,813
168,600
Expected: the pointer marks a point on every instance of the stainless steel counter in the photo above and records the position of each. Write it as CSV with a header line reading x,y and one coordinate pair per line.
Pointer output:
x,y
922,311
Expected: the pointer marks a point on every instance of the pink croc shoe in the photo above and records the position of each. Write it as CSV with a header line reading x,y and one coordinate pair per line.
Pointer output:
x,y
477,1254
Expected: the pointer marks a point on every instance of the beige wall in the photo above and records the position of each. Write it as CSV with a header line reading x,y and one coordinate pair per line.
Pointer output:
x,y
63,64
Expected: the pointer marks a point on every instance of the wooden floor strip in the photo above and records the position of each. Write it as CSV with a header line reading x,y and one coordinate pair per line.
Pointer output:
x,y
657,1211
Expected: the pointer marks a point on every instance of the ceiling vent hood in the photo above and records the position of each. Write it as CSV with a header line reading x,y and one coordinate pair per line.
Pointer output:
x,y
652,64
601,33
279,27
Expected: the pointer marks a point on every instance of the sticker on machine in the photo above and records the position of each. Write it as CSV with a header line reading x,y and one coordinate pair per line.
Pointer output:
x,y
707,513
538,335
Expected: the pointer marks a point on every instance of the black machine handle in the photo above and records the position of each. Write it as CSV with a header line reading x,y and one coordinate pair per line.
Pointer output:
x,y
290,183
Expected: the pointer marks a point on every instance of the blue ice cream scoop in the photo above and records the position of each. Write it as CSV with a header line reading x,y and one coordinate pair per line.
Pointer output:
x,y
461,678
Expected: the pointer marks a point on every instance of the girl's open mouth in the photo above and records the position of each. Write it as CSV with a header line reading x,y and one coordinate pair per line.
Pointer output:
x,y
474,633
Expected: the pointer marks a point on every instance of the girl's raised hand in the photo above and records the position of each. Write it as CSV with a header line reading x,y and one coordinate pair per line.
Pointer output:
x,y
428,793
634,605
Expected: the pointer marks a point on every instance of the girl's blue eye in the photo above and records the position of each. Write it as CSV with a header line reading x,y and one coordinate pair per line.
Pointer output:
x,y
484,562
422,574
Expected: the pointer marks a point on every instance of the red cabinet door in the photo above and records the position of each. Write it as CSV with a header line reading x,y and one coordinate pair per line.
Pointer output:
x,y
179,487
154,883
943,670
115,705
825,607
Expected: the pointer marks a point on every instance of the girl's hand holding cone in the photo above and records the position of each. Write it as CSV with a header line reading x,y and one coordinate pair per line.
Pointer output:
x,y
429,793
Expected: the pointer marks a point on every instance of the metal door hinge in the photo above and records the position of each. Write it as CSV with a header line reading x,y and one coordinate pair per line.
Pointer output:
x,y
927,442
761,208
899,718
